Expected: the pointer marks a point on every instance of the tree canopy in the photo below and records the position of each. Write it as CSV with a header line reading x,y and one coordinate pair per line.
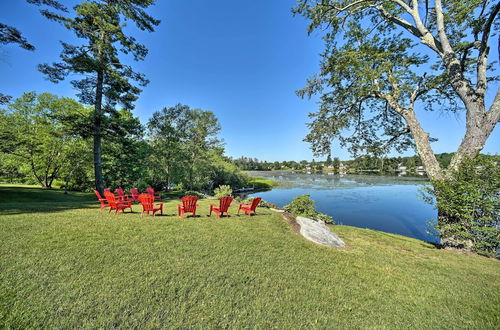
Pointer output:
x,y
384,59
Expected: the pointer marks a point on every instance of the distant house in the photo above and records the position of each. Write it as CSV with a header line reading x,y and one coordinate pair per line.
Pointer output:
x,y
402,168
330,166
342,168
420,168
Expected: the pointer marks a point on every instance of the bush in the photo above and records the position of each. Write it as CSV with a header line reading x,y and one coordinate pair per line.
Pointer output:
x,y
194,193
222,191
304,206
262,203
468,206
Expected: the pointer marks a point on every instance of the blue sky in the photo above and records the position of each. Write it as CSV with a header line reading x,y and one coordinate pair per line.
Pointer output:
x,y
243,60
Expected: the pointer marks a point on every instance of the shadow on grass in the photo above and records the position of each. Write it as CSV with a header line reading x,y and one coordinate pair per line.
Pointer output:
x,y
21,200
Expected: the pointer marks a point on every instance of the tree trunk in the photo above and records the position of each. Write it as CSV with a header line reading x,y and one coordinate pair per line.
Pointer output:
x,y
97,134
480,125
99,184
424,149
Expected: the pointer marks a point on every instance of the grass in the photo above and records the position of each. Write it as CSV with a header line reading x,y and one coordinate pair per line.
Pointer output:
x,y
261,183
64,264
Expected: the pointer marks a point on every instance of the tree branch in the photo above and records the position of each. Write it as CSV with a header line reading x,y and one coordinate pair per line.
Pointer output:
x,y
445,43
493,115
416,92
419,31
395,137
482,61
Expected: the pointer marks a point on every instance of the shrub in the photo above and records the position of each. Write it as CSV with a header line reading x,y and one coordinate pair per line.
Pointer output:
x,y
194,193
223,190
469,206
141,185
304,206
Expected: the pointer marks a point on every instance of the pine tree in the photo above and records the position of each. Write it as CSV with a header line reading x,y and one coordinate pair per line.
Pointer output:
x,y
104,80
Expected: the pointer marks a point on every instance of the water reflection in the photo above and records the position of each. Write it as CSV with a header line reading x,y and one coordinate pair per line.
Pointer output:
x,y
390,204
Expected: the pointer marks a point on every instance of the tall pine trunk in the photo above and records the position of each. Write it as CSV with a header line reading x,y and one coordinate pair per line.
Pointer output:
x,y
99,184
98,114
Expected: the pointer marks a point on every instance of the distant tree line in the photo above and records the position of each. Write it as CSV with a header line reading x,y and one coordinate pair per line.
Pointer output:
x,y
47,140
366,163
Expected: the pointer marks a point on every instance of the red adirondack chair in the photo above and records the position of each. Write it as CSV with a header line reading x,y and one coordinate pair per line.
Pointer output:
x,y
248,208
148,205
151,191
122,196
116,204
223,206
134,193
103,201
188,205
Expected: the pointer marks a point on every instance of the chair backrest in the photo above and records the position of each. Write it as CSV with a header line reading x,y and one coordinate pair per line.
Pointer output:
x,y
224,203
146,201
119,191
255,203
110,197
97,194
150,191
134,192
189,203
107,189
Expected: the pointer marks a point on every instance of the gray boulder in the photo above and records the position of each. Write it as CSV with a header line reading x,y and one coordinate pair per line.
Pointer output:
x,y
318,232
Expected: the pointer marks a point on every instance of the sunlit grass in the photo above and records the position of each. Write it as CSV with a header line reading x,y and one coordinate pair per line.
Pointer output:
x,y
64,264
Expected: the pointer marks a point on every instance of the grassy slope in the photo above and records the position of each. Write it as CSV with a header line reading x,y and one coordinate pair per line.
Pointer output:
x,y
261,183
65,264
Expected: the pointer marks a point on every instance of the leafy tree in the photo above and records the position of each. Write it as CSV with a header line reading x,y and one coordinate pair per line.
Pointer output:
x,y
336,164
185,149
471,204
328,161
125,152
105,81
166,132
202,131
385,58
38,137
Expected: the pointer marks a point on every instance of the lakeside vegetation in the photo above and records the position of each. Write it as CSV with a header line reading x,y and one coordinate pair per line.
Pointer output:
x,y
65,264
359,165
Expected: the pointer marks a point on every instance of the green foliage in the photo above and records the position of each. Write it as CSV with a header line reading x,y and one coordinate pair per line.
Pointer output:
x,y
222,191
194,193
469,206
40,139
185,150
304,206
372,68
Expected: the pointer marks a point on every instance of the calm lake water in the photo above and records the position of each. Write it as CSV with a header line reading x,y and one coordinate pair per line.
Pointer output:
x,y
385,203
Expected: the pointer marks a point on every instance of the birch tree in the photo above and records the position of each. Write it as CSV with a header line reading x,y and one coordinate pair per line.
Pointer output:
x,y
386,59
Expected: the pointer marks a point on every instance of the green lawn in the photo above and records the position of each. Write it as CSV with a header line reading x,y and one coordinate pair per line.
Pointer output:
x,y
64,264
